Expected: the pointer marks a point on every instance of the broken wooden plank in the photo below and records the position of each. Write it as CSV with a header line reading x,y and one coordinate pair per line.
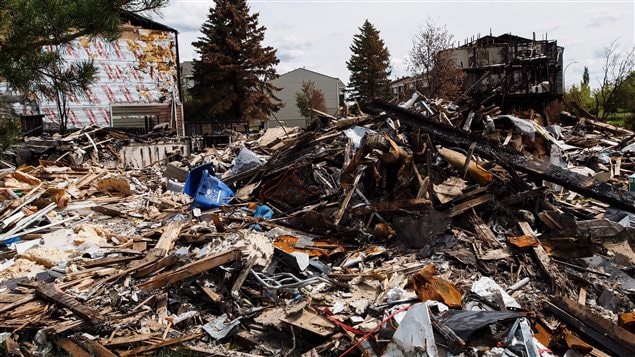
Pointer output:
x,y
127,340
156,266
392,206
72,348
582,296
557,278
52,293
109,261
24,177
211,294
156,346
612,337
347,198
312,322
97,349
170,234
468,205
107,211
219,350
176,173
190,270
483,232
243,275
17,303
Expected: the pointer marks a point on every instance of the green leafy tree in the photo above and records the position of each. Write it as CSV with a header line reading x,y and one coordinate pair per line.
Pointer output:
x,y
231,77
625,95
618,65
9,127
581,94
34,33
309,98
369,65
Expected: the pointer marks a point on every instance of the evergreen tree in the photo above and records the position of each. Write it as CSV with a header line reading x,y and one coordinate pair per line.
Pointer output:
x,y
369,65
585,76
231,77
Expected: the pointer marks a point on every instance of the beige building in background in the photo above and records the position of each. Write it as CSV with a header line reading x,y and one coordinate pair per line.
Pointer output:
x,y
291,82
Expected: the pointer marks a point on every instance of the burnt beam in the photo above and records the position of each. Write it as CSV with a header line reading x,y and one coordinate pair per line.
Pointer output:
x,y
444,134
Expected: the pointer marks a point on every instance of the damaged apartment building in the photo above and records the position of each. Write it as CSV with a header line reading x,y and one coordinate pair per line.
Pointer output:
x,y
515,71
511,71
137,85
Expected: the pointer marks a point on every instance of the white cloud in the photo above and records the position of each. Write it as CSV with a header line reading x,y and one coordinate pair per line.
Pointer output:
x,y
317,34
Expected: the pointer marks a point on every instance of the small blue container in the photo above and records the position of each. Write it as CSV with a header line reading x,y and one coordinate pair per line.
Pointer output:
x,y
211,192
194,178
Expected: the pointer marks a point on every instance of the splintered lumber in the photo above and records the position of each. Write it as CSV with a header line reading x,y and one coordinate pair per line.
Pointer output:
x,y
190,270
543,258
13,305
310,321
392,206
162,263
612,337
468,205
127,340
24,177
109,261
156,346
52,293
483,232
72,348
211,294
98,350
452,137
170,234
220,350
626,319
243,275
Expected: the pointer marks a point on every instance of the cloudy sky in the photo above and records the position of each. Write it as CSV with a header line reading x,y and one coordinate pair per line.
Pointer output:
x,y
317,34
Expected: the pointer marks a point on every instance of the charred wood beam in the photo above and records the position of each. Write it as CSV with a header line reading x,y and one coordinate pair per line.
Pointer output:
x,y
444,134
614,338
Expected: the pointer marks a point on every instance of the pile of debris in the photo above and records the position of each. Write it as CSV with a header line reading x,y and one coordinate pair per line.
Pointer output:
x,y
392,233
102,147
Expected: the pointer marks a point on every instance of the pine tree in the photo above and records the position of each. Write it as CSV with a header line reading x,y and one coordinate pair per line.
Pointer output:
x,y
585,76
369,65
231,77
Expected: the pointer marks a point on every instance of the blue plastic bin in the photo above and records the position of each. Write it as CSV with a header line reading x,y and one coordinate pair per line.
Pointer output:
x,y
211,192
194,178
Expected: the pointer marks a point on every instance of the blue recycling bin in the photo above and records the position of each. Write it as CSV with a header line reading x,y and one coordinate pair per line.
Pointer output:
x,y
211,192
194,178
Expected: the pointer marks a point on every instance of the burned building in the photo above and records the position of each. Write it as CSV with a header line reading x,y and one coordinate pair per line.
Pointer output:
x,y
511,69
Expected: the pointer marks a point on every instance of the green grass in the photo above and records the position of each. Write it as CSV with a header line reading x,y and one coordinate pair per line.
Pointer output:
x,y
624,119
